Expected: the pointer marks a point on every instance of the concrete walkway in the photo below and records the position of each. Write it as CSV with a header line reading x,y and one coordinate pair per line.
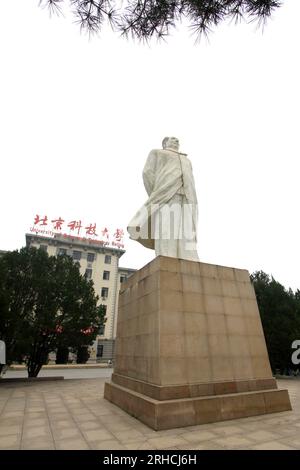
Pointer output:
x,y
67,373
72,414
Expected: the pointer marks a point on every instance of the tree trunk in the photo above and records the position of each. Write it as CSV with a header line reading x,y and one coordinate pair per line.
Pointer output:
x,y
37,359
34,369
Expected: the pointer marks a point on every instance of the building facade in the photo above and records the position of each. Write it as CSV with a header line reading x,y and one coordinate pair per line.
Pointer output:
x,y
101,264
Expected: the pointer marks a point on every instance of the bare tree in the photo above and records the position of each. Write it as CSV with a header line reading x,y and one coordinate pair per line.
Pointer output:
x,y
144,19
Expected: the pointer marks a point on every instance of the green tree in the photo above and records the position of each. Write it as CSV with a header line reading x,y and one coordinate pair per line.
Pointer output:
x,y
71,340
21,275
280,314
144,19
62,355
44,299
82,355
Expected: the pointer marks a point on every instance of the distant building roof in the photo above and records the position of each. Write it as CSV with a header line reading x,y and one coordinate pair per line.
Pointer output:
x,y
74,241
127,270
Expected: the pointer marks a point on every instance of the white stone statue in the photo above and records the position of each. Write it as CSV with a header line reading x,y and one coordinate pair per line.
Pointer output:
x,y
167,222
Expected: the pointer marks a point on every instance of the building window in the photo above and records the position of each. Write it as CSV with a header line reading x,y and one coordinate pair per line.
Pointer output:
x,y
44,248
62,251
77,255
106,275
104,292
123,278
102,330
107,259
99,350
90,257
88,273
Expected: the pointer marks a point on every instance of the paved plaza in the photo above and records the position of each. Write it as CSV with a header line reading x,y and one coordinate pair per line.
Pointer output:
x,y
72,414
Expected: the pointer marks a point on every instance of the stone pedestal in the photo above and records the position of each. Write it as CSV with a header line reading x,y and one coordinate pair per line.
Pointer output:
x,y
190,347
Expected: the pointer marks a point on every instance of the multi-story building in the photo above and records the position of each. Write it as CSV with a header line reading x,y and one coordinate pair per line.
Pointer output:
x,y
101,264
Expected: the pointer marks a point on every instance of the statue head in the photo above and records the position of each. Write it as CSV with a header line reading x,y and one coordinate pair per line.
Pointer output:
x,y
170,143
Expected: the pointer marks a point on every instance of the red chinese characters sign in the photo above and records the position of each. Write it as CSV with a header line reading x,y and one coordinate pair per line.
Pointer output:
x,y
79,230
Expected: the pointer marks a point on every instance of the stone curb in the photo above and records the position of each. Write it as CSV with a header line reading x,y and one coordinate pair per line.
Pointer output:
x,y
30,379
65,366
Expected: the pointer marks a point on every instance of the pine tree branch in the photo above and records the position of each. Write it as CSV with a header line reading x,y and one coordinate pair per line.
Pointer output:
x,y
144,19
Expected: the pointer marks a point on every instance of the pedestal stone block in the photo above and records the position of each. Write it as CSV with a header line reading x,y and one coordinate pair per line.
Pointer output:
x,y
190,347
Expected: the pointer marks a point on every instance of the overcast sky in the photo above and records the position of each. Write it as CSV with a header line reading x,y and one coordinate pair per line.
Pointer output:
x,y
79,117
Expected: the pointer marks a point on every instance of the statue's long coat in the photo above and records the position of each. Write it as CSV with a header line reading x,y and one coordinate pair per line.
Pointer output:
x,y
165,172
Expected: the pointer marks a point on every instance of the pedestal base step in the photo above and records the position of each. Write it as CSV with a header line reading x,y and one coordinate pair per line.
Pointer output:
x,y
182,412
